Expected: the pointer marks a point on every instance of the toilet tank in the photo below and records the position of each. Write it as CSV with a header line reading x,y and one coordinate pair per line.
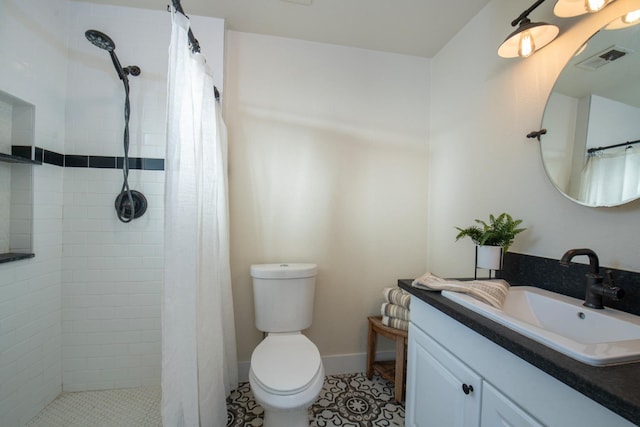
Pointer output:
x,y
283,296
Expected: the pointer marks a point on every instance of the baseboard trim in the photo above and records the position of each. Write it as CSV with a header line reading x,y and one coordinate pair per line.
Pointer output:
x,y
334,364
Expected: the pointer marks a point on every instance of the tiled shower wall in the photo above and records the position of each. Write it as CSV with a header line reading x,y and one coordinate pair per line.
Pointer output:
x,y
33,68
112,272
111,282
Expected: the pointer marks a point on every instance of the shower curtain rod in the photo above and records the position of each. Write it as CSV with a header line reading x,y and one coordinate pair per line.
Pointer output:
x,y
193,42
195,46
593,150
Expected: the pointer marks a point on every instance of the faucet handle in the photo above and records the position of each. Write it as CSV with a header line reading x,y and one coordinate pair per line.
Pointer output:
x,y
611,290
610,279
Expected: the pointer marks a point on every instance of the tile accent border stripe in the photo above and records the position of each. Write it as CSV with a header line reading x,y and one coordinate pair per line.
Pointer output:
x,y
82,161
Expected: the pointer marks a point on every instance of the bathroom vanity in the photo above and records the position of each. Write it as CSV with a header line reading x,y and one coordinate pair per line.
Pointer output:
x,y
464,369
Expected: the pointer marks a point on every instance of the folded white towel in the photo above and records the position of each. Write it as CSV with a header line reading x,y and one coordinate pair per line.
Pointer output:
x,y
392,322
397,296
394,310
492,292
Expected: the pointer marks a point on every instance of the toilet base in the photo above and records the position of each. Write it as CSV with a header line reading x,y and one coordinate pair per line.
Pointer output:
x,y
287,411
298,418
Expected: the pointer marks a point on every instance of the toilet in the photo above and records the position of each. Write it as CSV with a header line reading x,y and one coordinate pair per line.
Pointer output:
x,y
286,373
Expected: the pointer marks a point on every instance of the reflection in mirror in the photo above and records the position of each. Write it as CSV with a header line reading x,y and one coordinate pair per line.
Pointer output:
x,y
591,151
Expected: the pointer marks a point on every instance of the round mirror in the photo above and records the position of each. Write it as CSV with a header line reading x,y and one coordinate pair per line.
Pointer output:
x,y
591,151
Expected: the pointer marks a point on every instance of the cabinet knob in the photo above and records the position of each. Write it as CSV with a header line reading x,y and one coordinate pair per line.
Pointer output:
x,y
467,388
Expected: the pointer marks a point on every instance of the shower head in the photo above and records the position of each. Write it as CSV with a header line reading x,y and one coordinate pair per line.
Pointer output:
x,y
103,41
100,39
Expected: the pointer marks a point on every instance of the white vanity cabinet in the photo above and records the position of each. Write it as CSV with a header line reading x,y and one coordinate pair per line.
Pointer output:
x,y
498,410
435,378
457,377
443,391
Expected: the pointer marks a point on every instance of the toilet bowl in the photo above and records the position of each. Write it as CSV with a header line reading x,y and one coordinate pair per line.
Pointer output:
x,y
286,377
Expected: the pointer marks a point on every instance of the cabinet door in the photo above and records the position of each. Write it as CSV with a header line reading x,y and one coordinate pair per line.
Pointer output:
x,y
499,411
441,391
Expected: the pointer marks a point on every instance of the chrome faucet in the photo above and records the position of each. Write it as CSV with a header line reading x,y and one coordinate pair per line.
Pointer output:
x,y
595,288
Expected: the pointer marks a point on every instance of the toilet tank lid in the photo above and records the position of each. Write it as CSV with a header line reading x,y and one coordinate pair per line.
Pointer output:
x,y
283,271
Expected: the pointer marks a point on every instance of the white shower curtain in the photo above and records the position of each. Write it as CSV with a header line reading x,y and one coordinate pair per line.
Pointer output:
x,y
199,363
611,177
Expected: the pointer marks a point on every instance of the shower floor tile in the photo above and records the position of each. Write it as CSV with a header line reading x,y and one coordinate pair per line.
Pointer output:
x,y
346,400
130,407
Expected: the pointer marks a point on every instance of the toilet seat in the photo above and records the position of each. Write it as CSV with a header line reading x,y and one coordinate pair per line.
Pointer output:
x,y
285,364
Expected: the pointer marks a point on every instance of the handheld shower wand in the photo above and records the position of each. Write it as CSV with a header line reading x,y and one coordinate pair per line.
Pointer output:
x,y
103,41
129,203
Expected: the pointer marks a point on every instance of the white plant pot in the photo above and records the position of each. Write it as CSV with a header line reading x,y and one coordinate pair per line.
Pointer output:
x,y
489,257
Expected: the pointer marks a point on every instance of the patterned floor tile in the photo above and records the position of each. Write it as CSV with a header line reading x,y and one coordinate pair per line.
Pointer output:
x,y
346,400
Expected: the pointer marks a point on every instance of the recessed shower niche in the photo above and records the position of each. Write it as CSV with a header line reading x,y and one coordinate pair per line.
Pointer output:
x,y
16,178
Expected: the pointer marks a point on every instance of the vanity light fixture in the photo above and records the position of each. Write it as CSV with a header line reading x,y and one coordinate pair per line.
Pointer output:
x,y
627,20
529,37
570,8
632,17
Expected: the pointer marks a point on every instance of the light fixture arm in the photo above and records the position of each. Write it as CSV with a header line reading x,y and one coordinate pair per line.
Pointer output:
x,y
526,13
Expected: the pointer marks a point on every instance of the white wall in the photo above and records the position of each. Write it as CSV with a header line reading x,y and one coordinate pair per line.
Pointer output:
x,y
113,271
33,64
481,162
327,165
560,115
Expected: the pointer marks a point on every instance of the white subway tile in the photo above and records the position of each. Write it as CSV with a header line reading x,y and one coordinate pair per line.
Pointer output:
x,y
113,349
143,300
75,364
101,313
152,336
145,348
146,250
107,338
139,312
74,387
67,326
148,372
116,374
7,341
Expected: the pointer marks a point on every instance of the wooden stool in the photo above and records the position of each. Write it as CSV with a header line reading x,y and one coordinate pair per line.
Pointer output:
x,y
394,371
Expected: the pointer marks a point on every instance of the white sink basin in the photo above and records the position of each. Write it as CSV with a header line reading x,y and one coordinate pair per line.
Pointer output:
x,y
595,337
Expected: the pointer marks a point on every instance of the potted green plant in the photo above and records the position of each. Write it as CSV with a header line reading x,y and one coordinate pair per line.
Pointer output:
x,y
492,238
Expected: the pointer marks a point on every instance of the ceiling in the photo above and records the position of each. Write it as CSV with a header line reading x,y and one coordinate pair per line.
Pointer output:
x,y
617,80
412,27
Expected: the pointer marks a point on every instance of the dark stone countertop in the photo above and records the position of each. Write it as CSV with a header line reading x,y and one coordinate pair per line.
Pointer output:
x,y
615,387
